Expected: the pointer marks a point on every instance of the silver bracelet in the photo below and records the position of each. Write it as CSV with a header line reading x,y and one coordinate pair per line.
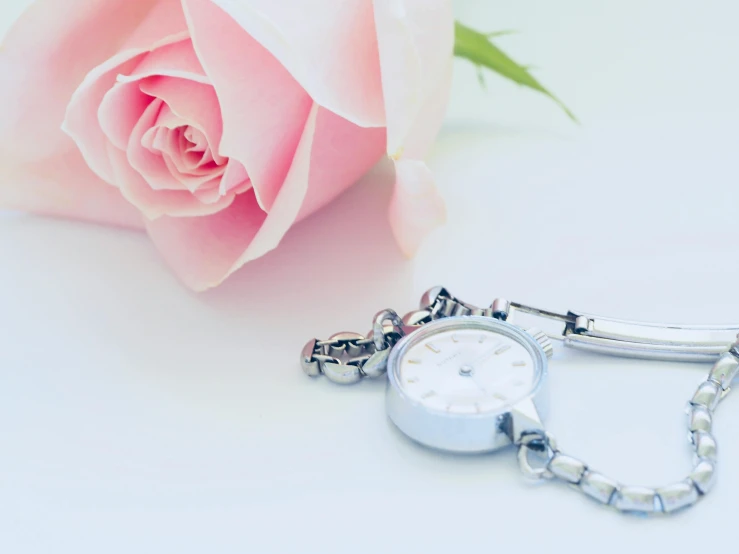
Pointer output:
x,y
469,379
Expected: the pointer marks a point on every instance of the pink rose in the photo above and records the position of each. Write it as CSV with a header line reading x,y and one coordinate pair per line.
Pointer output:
x,y
217,124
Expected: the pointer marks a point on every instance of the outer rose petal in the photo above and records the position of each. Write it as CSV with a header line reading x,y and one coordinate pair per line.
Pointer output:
x,y
416,207
416,41
331,155
173,57
163,20
35,186
82,122
328,46
425,128
45,56
264,109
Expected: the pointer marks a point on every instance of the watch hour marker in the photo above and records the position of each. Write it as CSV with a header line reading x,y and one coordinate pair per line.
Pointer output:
x,y
414,361
518,383
499,396
432,348
519,363
455,338
503,348
482,339
413,379
428,394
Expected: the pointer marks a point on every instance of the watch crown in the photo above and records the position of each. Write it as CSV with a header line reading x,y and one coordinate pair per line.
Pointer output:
x,y
543,340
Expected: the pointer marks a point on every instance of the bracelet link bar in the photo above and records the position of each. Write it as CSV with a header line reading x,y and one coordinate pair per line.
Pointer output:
x,y
605,335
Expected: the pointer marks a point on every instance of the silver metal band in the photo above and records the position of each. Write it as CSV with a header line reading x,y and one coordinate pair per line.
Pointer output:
x,y
348,357
605,335
553,464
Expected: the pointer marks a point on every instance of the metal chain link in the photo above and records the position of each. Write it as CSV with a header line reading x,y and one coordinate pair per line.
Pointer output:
x,y
348,357
643,500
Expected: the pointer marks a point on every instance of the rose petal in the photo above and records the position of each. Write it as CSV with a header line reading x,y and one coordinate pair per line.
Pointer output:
x,y
416,207
341,155
91,127
118,112
208,193
234,177
425,128
204,251
45,56
157,203
185,180
195,104
148,164
340,70
137,171
64,186
332,154
201,249
416,40
160,170
173,57
264,109
165,19
170,155
119,105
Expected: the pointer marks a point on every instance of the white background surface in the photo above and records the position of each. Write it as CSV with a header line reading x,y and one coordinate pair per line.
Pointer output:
x,y
138,417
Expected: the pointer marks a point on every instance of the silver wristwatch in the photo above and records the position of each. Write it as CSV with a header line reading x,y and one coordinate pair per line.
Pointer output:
x,y
469,379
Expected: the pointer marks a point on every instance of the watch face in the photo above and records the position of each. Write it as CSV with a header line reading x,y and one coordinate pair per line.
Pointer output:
x,y
467,368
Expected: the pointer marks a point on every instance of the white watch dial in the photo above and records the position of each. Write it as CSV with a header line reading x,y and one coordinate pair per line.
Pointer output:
x,y
467,371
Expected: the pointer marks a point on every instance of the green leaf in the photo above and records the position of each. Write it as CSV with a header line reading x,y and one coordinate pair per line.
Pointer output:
x,y
478,48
